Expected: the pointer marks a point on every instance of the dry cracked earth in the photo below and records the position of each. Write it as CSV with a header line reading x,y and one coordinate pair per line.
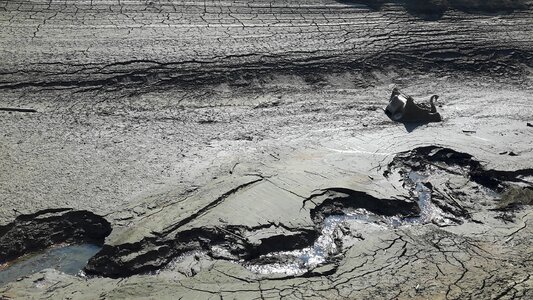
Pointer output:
x,y
239,149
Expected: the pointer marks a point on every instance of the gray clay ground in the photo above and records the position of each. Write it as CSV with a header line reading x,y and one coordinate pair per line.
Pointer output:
x,y
216,137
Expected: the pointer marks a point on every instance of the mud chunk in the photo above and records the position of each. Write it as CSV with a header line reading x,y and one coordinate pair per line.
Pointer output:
x,y
402,108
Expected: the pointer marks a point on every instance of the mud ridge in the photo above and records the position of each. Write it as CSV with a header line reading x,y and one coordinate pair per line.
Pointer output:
x,y
313,69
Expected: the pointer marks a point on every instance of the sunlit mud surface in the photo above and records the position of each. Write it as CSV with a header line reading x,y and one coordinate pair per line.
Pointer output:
x,y
69,259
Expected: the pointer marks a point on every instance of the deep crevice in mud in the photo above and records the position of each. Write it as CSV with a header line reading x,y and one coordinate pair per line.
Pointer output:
x,y
340,199
38,231
228,242
302,249
338,209
298,252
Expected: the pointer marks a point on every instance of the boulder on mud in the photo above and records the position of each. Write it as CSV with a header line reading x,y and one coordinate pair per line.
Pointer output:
x,y
402,108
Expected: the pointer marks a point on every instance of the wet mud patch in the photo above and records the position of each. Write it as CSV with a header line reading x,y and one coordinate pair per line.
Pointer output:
x,y
59,238
35,232
69,259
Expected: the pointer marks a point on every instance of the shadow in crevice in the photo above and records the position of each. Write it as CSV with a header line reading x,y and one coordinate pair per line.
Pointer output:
x,y
435,9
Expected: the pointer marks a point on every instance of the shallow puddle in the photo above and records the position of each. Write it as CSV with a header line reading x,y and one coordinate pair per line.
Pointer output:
x,y
70,259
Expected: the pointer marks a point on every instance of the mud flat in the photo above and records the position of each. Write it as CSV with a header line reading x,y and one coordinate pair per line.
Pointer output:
x,y
240,149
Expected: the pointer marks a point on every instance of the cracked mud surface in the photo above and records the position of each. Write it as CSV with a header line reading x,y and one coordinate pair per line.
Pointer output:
x,y
238,149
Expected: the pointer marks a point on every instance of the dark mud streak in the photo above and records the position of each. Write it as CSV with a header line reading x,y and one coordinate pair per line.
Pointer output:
x,y
283,242
14,109
495,179
448,205
34,232
314,68
435,8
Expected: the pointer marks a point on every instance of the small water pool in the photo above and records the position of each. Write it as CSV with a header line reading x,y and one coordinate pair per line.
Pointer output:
x,y
70,259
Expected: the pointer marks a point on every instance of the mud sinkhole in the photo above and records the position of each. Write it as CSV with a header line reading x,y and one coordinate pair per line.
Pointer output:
x,y
459,185
63,239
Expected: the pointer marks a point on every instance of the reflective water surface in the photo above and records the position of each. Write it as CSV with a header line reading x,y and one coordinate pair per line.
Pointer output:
x,y
69,259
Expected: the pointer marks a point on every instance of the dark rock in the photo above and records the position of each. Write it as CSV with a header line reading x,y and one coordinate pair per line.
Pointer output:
x,y
324,270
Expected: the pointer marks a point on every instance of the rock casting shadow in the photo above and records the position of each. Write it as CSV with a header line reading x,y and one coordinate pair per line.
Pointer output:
x,y
403,109
410,126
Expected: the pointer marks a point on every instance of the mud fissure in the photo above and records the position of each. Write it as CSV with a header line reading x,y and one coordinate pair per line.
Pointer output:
x,y
151,254
299,250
